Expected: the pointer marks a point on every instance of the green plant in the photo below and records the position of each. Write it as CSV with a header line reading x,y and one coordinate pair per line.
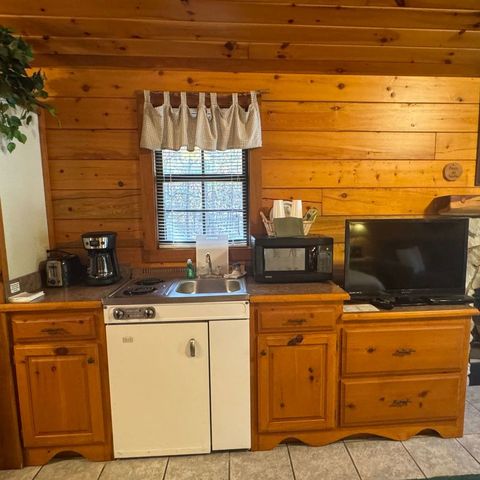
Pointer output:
x,y
20,93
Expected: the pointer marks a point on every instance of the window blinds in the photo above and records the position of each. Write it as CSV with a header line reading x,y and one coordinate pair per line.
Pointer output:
x,y
201,192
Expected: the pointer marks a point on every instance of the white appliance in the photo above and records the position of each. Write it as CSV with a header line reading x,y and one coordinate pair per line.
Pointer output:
x,y
179,377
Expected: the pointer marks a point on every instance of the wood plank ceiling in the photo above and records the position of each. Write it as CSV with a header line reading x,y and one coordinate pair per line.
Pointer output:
x,y
387,37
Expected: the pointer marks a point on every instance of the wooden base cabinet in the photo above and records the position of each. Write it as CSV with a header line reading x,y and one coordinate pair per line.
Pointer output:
x,y
320,375
295,381
64,399
60,368
296,388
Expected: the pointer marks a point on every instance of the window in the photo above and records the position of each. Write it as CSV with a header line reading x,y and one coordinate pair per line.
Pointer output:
x,y
201,192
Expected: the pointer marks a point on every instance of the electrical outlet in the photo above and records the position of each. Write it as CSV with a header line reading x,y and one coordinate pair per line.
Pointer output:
x,y
14,287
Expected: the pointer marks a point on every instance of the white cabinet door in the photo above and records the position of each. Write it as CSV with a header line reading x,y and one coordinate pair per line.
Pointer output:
x,y
159,388
230,384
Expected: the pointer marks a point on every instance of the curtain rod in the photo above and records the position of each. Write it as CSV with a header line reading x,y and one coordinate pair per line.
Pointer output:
x,y
224,99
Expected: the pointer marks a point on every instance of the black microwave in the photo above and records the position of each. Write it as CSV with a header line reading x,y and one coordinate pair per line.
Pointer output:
x,y
292,259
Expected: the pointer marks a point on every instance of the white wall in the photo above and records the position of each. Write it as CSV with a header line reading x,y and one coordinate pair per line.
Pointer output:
x,y
22,201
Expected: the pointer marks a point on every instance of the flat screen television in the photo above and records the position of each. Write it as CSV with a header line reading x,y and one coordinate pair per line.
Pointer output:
x,y
406,257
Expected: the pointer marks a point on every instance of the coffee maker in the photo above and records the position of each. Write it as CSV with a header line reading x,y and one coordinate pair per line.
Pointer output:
x,y
102,259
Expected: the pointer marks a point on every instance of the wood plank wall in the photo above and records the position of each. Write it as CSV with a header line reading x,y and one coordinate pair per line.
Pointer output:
x,y
353,146
10,447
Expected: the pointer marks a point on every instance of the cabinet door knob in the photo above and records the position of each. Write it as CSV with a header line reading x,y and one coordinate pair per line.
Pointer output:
x,y
263,353
61,351
193,347
90,360
295,340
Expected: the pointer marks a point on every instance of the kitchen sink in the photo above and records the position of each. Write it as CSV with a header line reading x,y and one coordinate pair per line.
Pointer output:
x,y
203,287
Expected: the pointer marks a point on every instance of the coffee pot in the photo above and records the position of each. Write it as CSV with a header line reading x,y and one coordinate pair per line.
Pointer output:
x,y
102,266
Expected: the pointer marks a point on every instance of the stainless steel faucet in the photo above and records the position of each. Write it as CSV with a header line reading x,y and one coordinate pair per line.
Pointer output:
x,y
208,261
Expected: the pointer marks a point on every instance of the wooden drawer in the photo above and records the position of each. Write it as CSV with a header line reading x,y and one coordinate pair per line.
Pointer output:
x,y
400,400
28,327
297,317
429,347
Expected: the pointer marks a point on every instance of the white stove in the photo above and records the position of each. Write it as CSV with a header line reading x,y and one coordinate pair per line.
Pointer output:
x,y
179,371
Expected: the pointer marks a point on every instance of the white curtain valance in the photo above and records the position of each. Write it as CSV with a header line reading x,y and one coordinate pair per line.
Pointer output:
x,y
213,128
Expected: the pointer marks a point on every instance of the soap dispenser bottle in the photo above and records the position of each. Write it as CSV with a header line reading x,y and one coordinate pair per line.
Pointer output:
x,y
190,269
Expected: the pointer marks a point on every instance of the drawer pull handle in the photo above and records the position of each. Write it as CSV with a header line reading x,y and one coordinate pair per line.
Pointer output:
x,y
54,331
402,352
296,321
295,340
61,351
400,403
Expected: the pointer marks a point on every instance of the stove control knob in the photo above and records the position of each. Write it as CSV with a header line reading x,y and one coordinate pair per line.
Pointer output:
x,y
118,314
149,312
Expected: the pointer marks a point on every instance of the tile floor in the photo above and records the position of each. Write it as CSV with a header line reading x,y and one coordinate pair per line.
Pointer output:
x,y
359,459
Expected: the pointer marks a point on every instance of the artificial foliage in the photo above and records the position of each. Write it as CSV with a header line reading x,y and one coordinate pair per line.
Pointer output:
x,y
21,94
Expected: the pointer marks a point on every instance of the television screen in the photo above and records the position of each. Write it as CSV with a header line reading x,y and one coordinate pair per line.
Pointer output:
x,y
406,257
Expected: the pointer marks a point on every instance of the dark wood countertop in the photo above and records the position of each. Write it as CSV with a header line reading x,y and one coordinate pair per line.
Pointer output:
x,y
77,296
84,297
294,292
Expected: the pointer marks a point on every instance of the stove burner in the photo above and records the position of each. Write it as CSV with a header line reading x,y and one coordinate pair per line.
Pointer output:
x,y
149,281
138,290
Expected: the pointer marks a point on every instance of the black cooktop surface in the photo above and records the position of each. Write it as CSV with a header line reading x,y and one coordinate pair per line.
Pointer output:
x,y
149,281
138,290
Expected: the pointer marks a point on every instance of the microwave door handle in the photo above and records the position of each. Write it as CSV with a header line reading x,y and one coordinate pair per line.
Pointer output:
x,y
312,259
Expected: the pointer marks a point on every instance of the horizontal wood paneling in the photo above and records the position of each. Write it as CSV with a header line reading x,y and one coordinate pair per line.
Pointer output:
x,y
455,146
129,231
122,28
118,83
93,204
140,47
349,145
92,144
360,173
363,53
280,65
378,37
263,51
94,113
251,12
367,117
386,201
450,4
94,174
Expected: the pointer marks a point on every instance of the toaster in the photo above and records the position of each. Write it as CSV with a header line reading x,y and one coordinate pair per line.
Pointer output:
x,y
63,269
